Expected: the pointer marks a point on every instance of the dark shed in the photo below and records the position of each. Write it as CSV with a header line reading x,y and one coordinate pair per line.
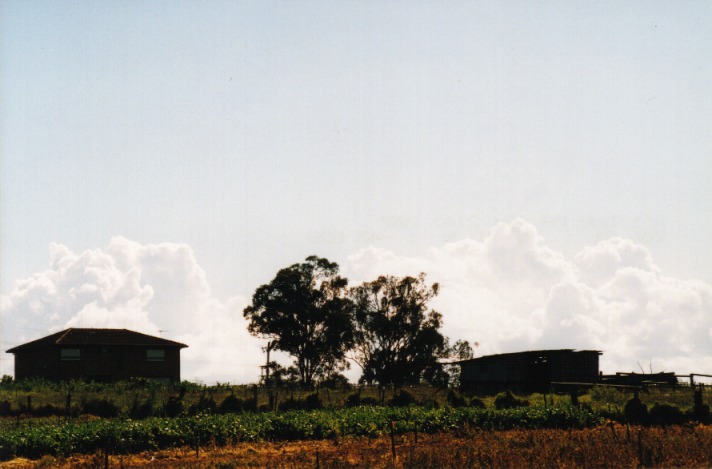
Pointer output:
x,y
529,371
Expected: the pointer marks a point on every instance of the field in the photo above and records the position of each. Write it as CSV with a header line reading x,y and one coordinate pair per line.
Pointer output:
x,y
227,426
603,446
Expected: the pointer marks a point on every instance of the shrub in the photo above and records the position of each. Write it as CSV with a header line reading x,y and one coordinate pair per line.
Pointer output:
x,y
174,407
402,399
507,400
204,405
635,411
477,403
100,408
336,381
231,405
5,409
48,410
290,404
368,400
353,400
666,414
250,405
700,411
455,399
141,410
430,404
312,402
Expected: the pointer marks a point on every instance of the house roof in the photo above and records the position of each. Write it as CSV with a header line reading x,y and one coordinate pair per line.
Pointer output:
x,y
529,353
75,336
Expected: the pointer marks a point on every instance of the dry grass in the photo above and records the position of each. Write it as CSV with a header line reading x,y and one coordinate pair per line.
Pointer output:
x,y
612,445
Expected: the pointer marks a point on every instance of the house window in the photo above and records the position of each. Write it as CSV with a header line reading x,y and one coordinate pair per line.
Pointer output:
x,y
155,355
70,354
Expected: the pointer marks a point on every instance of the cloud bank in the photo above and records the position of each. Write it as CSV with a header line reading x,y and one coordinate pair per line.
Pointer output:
x,y
157,289
509,292
512,292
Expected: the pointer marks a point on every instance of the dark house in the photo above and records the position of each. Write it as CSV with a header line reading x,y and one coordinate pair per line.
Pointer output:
x,y
529,371
103,355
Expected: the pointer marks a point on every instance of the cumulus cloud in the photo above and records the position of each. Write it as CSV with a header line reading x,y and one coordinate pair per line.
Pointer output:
x,y
509,292
158,289
512,292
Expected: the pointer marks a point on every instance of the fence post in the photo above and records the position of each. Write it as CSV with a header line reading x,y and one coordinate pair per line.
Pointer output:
x,y
393,439
69,405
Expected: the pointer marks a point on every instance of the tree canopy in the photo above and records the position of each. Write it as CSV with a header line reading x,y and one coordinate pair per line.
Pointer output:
x,y
397,338
307,313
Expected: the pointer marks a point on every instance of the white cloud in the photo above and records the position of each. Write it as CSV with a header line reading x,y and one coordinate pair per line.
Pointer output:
x,y
158,289
512,292
509,292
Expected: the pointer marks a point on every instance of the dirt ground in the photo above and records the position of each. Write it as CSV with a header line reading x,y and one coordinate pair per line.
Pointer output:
x,y
611,446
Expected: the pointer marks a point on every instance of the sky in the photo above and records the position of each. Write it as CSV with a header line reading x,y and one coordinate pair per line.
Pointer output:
x,y
548,163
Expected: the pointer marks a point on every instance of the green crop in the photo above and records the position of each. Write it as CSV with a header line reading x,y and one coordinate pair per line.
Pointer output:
x,y
122,436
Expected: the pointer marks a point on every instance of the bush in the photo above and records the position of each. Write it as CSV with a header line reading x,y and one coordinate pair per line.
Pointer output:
x,y
312,402
353,400
402,399
290,404
231,405
203,406
49,410
455,399
635,411
430,404
249,405
174,407
141,410
5,409
477,403
100,408
700,411
507,400
368,400
666,414
336,381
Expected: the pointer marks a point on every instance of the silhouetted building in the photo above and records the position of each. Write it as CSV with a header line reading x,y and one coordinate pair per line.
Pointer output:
x,y
103,355
529,371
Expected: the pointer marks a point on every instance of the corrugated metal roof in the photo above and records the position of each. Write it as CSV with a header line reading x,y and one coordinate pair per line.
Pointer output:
x,y
79,336
530,352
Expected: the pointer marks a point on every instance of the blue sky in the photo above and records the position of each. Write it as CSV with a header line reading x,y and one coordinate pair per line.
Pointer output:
x,y
257,133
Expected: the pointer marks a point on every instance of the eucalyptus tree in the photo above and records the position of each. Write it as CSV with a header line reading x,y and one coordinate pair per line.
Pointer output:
x,y
306,312
397,336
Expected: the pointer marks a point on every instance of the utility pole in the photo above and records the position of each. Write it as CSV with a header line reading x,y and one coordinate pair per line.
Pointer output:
x,y
270,344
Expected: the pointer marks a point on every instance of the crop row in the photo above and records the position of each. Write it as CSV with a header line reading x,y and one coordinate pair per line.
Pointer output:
x,y
122,436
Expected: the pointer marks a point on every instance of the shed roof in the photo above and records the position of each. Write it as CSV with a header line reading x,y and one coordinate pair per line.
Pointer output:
x,y
530,353
79,336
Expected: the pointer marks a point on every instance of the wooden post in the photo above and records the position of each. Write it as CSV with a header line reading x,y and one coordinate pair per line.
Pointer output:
x,y
393,440
69,405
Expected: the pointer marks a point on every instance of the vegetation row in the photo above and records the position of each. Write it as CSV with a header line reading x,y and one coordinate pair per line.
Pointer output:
x,y
122,436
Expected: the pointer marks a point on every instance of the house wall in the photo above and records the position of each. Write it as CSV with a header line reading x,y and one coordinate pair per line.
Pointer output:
x,y
98,363
37,363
